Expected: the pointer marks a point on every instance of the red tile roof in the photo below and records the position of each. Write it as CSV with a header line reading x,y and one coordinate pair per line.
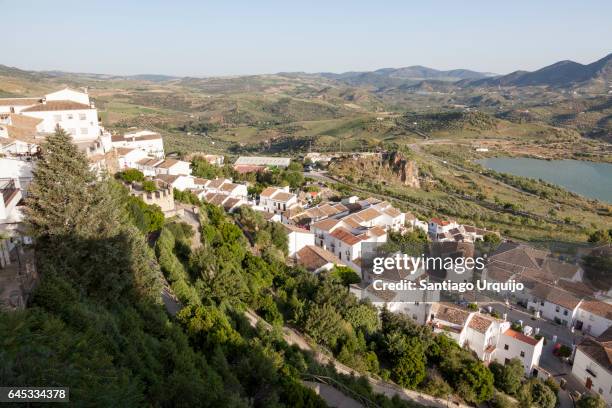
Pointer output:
x,y
521,337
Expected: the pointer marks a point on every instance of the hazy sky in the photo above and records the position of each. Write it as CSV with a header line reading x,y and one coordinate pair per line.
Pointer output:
x,y
250,37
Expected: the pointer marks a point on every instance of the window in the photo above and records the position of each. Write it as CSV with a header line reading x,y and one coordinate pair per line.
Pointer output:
x,y
565,313
82,116
84,131
70,116
557,309
522,354
541,303
506,347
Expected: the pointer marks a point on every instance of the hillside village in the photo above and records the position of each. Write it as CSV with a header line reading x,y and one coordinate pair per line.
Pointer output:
x,y
323,232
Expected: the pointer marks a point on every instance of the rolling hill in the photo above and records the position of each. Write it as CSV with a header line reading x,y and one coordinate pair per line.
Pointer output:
x,y
560,74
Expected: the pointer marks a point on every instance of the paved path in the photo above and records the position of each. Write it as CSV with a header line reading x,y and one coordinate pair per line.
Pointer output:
x,y
332,396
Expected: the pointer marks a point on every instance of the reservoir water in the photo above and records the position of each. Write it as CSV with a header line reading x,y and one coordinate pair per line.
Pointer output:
x,y
593,180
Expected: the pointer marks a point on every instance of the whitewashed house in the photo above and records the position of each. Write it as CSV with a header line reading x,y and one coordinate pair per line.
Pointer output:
x,y
316,259
593,365
151,142
277,200
128,158
594,317
173,167
179,182
297,238
514,344
554,304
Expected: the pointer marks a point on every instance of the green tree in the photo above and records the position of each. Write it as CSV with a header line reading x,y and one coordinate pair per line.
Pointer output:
x,y
130,175
590,401
508,376
64,198
409,370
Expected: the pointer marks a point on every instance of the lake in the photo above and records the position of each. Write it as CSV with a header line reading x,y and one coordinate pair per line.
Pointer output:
x,y
593,180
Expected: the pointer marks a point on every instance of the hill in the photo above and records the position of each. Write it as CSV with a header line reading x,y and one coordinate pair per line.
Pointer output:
x,y
385,77
560,74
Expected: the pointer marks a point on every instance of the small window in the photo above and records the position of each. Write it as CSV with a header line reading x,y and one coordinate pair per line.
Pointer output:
x,y
506,347
82,116
522,354
541,303
557,309
70,116
565,313
84,131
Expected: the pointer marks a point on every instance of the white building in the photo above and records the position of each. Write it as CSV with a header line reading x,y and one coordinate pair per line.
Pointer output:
x,y
491,339
594,317
263,161
298,238
179,182
514,344
128,158
173,167
554,304
151,142
593,365
71,110
437,226
277,200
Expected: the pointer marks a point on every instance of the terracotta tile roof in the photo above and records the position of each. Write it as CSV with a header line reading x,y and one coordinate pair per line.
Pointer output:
x,y
268,192
377,231
166,164
438,221
229,187
345,236
501,272
384,295
326,225
521,337
167,178
451,314
368,214
313,257
24,121
216,183
577,288
480,323
392,212
245,168
200,181
19,101
351,221
123,151
57,106
520,255
219,199
599,352
556,296
559,269
149,161
282,196
598,308
230,203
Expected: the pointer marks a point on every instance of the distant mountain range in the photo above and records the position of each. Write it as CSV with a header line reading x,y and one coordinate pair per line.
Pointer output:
x,y
560,74
401,76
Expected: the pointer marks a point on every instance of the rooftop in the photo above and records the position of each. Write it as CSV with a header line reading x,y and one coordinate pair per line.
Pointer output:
x,y
57,106
521,337
263,161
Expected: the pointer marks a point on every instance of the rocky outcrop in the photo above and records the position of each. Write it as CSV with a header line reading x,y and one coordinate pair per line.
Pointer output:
x,y
405,169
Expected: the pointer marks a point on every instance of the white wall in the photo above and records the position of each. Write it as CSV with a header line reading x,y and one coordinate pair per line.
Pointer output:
x,y
82,124
592,324
550,311
531,356
601,381
298,240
